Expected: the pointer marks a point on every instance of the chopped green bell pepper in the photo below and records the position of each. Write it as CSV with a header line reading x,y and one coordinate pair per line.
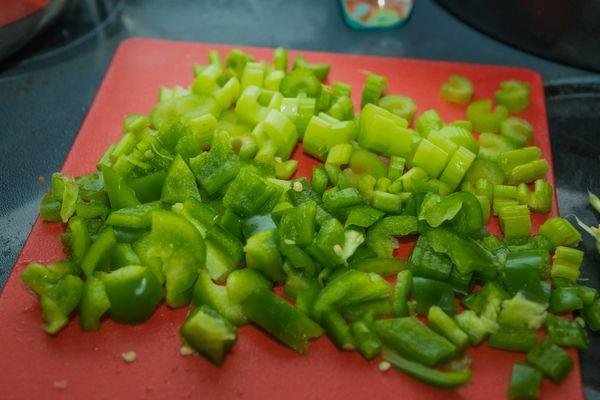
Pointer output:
x,y
283,321
411,338
209,333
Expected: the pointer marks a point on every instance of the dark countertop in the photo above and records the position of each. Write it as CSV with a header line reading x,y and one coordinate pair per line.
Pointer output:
x,y
46,89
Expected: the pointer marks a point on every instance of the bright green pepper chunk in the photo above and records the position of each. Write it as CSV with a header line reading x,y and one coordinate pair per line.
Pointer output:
x,y
283,321
566,332
525,382
429,292
59,294
380,236
464,252
513,339
442,379
119,193
411,338
94,303
133,293
209,333
553,361
262,254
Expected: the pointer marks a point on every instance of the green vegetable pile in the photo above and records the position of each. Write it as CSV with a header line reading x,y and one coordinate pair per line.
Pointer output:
x,y
194,207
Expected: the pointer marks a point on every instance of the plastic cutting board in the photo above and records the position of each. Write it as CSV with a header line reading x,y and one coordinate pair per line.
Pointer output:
x,y
88,365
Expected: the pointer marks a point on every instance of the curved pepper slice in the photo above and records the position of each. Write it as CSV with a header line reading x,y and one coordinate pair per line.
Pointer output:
x,y
380,237
461,208
442,379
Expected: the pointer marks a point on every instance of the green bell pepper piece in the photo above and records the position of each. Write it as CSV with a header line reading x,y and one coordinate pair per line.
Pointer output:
x,y
263,255
525,382
429,292
98,251
379,266
363,216
242,282
553,361
371,308
209,333
79,237
566,332
513,339
206,292
122,254
591,315
412,339
50,208
519,312
441,323
283,321
94,303
401,293
337,330
490,293
59,294
180,249
442,379
522,273
425,262
149,187
119,193
250,194
139,216
461,208
465,253
565,299
350,287
380,236
297,226
133,293
367,342
179,184
319,180
476,328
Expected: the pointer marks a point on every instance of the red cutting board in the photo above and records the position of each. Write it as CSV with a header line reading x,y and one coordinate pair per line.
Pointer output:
x,y
34,365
